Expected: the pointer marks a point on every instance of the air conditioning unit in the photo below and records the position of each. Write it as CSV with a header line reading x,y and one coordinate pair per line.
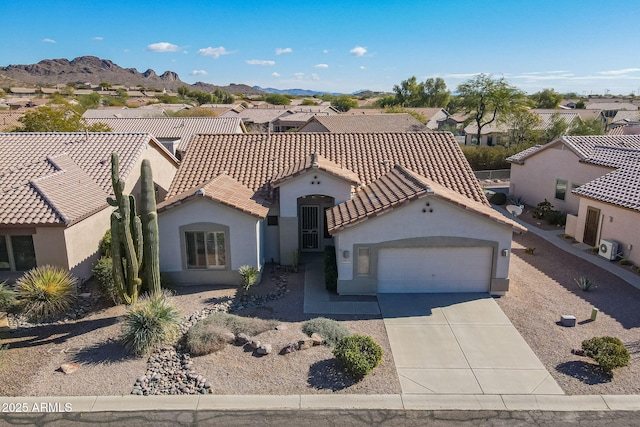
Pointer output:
x,y
608,249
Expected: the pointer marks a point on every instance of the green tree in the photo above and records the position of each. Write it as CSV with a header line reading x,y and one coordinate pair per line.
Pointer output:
x,y
430,93
484,98
308,102
523,125
547,98
344,103
580,127
61,118
89,101
556,129
580,105
396,109
183,91
277,99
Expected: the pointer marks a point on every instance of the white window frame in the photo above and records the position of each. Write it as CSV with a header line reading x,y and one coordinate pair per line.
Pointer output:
x,y
207,255
566,187
363,261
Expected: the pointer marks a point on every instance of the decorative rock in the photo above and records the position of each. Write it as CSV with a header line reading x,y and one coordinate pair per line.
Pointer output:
x,y
242,338
264,349
305,344
229,337
282,328
255,344
290,348
69,368
316,339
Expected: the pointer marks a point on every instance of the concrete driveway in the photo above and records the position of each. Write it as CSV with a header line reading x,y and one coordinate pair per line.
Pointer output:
x,y
460,344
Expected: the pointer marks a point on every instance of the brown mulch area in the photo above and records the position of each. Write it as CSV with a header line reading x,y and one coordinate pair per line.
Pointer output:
x,y
543,288
30,367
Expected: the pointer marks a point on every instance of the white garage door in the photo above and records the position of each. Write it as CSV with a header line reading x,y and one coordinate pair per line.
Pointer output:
x,y
420,270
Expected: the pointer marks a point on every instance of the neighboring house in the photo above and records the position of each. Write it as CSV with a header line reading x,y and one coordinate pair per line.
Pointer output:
x,y
294,122
53,207
123,112
258,120
610,109
631,128
174,132
364,123
585,176
9,119
22,92
437,118
494,132
404,211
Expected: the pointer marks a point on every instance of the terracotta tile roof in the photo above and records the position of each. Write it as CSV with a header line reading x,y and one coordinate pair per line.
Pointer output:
x,y
256,159
123,113
583,146
315,161
627,129
614,157
620,187
611,106
36,167
519,157
174,127
367,123
9,119
625,116
258,115
396,188
222,189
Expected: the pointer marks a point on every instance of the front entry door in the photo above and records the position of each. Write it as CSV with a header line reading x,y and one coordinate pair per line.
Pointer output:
x,y
591,226
310,227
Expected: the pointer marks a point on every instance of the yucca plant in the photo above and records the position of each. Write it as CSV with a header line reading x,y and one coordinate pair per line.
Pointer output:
x,y
46,292
151,322
585,283
248,276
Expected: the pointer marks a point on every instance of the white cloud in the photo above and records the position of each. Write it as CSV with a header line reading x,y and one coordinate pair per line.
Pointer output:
x,y
163,47
321,66
362,67
280,51
198,73
298,76
358,51
275,74
619,72
98,38
48,40
260,62
325,51
314,76
214,52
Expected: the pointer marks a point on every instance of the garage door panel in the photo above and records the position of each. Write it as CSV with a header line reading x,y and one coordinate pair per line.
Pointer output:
x,y
404,270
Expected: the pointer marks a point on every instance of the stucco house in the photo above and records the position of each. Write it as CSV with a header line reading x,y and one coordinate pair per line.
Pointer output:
x,y
594,179
365,123
404,205
53,207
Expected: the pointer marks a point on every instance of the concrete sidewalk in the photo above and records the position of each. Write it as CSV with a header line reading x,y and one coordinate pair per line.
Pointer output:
x,y
555,238
482,402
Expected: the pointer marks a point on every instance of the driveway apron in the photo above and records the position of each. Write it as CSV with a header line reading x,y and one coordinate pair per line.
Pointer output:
x,y
460,344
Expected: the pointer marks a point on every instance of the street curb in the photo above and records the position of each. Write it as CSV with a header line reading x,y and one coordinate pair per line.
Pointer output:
x,y
484,402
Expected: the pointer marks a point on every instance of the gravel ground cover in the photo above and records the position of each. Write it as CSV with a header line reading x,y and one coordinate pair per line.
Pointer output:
x,y
30,367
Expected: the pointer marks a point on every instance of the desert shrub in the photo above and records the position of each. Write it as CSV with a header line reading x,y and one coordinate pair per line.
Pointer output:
x,y
238,324
585,283
206,337
248,276
555,217
358,354
330,330
608,352
151,322
103,274
542,209
330,268
498,199
46,292
624,261
7,296
105,244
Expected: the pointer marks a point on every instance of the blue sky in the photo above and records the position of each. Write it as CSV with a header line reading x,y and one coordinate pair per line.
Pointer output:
x,y
582,46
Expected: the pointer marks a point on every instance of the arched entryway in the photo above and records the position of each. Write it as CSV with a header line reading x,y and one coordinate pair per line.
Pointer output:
x,y
312,222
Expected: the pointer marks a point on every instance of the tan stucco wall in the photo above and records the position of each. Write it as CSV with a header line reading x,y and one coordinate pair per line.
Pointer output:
x,y
535,180
162,168
617,224
243,241
85,236
49,244
409,222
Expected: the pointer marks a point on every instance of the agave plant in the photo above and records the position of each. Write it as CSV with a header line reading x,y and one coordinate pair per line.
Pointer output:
x,y
248,276
585,283
151,322
46,292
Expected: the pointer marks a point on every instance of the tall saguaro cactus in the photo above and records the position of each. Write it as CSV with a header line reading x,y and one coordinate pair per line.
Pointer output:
x,y
126,238
149,216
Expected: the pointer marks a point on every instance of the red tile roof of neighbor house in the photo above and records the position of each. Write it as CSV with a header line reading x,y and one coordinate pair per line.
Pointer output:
x,y
61,178
255,160
620,187
368,123
222,189
396,188
315,161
